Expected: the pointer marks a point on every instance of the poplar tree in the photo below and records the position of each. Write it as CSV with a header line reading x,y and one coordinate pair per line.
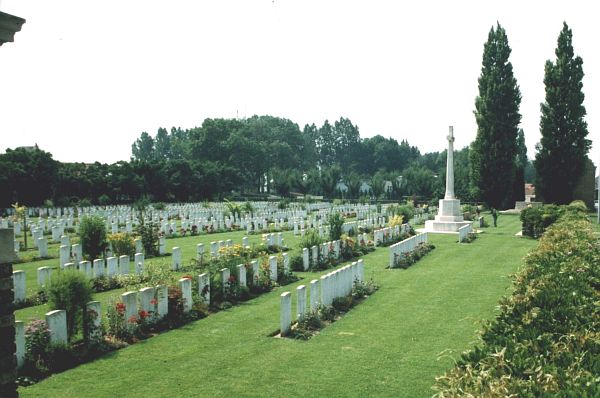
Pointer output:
x,y
561,154
493,153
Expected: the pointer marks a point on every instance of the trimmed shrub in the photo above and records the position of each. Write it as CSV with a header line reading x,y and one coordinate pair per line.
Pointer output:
x,y
70,290
92,235
545,340
335,226
310,239
122,244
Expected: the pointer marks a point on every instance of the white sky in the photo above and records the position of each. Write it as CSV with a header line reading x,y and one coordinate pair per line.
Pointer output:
x,y
83,79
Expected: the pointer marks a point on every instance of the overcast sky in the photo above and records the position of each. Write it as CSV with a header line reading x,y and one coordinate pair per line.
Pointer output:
x,y
83,79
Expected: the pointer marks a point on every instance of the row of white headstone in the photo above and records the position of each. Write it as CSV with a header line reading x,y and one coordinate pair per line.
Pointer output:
x,y
323,291
400,249
384,234
112,267
153,300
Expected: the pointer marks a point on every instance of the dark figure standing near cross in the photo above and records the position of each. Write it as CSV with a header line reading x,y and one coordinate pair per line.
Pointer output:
x,y
495,216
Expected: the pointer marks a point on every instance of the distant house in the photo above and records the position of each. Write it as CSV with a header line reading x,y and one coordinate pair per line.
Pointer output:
x,y
388,186
341,186
529,193
365,188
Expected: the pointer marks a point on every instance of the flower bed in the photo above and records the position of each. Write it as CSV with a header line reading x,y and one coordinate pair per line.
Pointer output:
x,y
405,260
315,320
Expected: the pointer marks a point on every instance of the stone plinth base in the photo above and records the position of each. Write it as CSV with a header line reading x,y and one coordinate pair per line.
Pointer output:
x,y
449,218
444,226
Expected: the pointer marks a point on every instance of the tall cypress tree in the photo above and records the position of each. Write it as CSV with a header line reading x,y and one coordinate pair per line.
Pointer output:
x,y
561,154
493,153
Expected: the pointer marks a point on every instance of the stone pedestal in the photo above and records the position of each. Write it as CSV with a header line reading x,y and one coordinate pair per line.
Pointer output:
x,y
8,359
449,218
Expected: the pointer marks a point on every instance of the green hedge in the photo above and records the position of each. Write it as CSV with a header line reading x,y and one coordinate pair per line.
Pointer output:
x,y
546,340
535,220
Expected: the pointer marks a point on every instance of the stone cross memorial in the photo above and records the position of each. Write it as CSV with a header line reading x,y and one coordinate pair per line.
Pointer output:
x,y
449,218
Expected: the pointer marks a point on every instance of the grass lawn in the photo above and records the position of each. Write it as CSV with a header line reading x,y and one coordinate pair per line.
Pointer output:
x,y
393,344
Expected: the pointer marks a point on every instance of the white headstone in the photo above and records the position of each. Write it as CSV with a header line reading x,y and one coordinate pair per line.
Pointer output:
x,y
204,287
98,268
146,297
285,319
162,301
112,266
19,286
199,251
273,268
225,274
300,302
162,245
176,259
77,254
94,314
43,247
20,342
286,262
185,284
138,263
124,264
305,259
139,248
130,301
85,267
57,325
314,294
255,271
241,270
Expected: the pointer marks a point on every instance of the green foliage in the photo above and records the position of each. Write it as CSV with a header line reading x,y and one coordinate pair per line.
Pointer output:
x,y
70,291
37,344
147,231
92,235
311,238
336,221
159,206
406,211
104,200
535,220
544,342
315,320
493,153
296,263
308,326
122,244
283,204
405,260
561,154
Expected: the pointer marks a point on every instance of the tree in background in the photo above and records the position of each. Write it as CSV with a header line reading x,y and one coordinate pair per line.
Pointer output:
x,y
497,114
143,148
92,235
561,154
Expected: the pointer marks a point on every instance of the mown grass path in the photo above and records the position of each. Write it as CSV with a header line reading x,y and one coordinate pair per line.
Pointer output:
x,y
389,345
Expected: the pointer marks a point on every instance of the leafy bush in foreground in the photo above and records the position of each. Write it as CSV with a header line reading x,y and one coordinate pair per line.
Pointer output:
x,y
546,340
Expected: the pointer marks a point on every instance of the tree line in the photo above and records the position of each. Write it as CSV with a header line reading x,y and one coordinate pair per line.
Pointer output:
x,y
232,158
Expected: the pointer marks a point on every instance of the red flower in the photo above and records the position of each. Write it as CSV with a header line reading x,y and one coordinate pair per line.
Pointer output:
x,y
153,302
231,279
120,308
143,314
132,319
